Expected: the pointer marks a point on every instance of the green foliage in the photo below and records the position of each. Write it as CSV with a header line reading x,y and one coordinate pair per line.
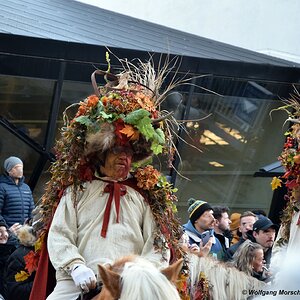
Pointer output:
x,y
135,117
85,120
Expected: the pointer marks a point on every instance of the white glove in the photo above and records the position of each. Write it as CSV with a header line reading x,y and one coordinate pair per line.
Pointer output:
x,y
83,277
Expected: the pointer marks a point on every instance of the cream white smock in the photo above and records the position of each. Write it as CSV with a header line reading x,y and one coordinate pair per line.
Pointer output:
x,y
74,235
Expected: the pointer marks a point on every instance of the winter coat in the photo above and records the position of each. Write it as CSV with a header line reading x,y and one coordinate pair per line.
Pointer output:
x,y
5,252
231,250
15,264
16,201
19,290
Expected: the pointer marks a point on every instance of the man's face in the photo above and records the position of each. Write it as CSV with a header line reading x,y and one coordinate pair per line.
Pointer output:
x,y
118,162
205,221
265,237
246,224
3,235
16,171
224,222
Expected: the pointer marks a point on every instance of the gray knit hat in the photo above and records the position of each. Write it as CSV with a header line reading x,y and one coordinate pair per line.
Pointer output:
x,y
10,162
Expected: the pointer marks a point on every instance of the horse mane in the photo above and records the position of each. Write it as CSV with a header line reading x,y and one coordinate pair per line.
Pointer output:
x,y
225,282
140,279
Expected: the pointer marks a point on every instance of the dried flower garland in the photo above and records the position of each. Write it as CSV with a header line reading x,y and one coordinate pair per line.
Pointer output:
x,y
290,159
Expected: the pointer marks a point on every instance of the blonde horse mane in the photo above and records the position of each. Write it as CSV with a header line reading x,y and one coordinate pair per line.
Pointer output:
x,y
136,278
225,282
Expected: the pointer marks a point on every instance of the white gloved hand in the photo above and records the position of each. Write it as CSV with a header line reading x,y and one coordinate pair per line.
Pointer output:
x,y
83,277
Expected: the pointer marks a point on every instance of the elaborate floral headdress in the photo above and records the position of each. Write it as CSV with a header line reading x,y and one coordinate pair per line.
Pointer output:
x,y
290,160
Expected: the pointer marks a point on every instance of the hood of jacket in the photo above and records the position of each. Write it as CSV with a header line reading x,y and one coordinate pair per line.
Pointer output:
x,y
189,227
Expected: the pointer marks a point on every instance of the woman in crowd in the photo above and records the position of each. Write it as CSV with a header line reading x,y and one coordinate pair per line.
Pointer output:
x,y
249,258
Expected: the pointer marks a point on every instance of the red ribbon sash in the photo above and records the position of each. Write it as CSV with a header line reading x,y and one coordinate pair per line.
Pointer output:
x,y
115,190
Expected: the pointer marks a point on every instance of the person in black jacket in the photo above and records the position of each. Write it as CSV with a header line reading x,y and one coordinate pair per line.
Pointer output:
x,y
18,278
16,201
264,233
8,244
222,226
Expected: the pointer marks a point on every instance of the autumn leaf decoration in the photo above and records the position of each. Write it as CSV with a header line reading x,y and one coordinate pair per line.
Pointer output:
x,y
31,261
21,276
276,182
131,133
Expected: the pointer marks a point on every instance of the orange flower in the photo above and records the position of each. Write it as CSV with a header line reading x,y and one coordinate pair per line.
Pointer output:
x,y
104,100
81,110
92,101
147,177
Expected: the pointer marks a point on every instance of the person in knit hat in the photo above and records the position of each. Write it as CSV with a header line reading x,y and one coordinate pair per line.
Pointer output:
x,y
16,201
200,227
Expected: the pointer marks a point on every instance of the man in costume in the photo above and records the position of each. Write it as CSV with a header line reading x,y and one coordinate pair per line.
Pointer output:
x,y
100,229
107,208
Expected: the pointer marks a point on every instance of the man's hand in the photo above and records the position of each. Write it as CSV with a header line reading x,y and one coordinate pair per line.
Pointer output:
x,y
83,277
194,248
204,250
14,228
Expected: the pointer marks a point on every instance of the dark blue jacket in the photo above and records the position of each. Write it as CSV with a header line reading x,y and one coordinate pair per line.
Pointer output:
x,y
16,202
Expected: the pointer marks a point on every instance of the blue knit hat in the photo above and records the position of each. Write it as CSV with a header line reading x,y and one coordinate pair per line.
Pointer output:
x,y
10,162
197,208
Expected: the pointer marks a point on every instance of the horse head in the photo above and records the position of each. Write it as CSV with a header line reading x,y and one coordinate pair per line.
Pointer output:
x,y
133,277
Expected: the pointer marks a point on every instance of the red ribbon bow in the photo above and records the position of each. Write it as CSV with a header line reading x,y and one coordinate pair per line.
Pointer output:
x,y
115,190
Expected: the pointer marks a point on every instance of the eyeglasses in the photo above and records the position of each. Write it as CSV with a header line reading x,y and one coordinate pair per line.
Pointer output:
x,y
121,149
